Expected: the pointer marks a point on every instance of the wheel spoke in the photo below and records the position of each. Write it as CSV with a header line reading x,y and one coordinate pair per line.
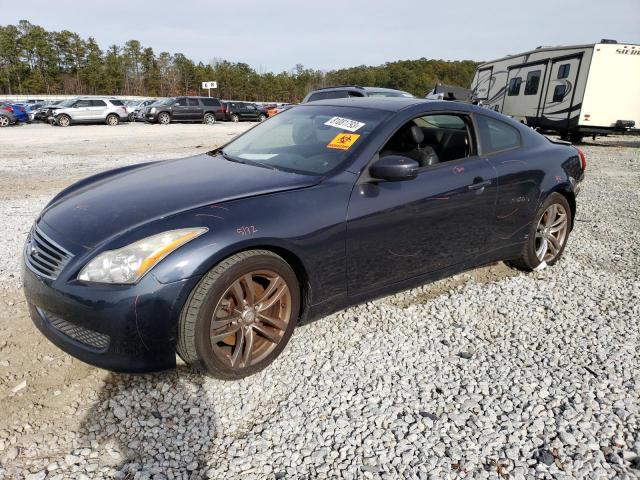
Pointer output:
x,y
249,289
218,337
273,321
554,245
224,322
281,290
542,249
236,290
551,215
238,348
273,285
267,333
248,347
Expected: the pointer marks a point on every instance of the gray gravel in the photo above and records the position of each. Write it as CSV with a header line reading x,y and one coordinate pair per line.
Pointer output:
x,y
500,375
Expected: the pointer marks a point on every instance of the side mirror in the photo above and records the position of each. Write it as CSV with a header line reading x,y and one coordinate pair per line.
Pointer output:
x,y
394,168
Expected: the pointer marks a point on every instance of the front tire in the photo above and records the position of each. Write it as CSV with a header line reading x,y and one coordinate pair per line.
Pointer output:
x,y
262,118
164,118
240,316
63,120
548,234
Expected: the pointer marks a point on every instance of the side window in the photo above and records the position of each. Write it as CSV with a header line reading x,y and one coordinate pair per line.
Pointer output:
x,y
181,102
193,102
210,102
533,80
82,104
355,94
117,103
431,140
559,92
250,106
98,103
563,70
496,135
514,86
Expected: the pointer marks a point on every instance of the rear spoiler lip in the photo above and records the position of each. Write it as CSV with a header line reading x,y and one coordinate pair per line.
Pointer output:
x,y
559,142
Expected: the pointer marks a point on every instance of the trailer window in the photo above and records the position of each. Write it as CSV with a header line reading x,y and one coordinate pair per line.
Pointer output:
x,y
514,86
559,92
563,71
533,80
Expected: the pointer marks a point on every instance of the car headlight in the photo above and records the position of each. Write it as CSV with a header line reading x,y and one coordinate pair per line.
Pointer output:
x,y
153,110
128,264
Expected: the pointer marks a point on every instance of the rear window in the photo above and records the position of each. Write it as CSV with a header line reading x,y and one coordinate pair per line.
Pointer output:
x,y
210,102
193,102
117,103
496,135
98,103
328,95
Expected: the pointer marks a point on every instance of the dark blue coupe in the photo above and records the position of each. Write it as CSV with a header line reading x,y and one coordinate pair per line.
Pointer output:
x,y
218,256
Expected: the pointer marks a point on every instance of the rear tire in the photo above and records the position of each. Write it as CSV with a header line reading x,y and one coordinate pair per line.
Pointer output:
x,y
113,120
164,118
548,234
209,118
235,118
63,120
232,330
262,118
4,121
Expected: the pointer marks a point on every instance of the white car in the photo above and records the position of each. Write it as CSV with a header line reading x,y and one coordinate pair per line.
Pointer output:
x,y
90,110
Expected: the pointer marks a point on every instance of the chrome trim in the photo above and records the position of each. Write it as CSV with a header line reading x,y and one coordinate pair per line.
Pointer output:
x,y
43,256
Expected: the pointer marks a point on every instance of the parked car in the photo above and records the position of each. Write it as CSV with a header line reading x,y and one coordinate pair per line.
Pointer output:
x,y
241,111
281,108
90,110
136,106
185,109
346,91
18,111
7,118
218,256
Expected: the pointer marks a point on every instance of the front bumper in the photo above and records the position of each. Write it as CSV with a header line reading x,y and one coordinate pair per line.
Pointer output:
x,y
119,328
151,117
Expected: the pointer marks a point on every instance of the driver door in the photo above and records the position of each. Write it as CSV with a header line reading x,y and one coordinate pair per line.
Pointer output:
x,y
399,230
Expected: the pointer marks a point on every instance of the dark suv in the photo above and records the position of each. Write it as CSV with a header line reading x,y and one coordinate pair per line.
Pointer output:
x,y
345,91
184,109
238,111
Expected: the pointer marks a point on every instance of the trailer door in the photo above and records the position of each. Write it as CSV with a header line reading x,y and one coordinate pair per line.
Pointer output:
x,y
483,84
525,88
559,110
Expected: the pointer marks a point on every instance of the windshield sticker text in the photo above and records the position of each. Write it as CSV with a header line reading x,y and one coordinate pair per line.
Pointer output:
x,y
343,141
344,124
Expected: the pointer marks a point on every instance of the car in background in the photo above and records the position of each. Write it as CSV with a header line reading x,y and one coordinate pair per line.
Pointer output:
x,y
89,110
7,118
32,108
244,111
276,109
135,106
346,91
42,113
185,109
18,111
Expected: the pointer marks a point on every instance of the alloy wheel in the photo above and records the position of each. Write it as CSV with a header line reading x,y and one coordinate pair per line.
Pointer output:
x,y
112,120
250,318
551,232
235,118
209,119
164,118
4,121
63,121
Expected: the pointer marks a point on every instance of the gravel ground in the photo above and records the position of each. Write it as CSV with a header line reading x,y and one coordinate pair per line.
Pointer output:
x,y
489,374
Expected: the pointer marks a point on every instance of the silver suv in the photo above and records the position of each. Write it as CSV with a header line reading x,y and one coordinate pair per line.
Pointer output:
x,y
89,110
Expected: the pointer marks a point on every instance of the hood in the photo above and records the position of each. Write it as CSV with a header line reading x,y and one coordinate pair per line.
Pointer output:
x,y
117,202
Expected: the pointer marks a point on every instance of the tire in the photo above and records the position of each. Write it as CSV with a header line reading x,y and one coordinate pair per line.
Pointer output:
x,y
541,229
113,120
235,118
215,297
209,118
164,118
4,121
132,117
575,138
262,118
63,120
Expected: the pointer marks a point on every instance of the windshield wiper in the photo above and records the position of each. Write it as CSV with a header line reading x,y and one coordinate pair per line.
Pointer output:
x,y
246,162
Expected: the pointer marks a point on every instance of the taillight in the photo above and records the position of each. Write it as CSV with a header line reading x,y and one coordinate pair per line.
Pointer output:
x,y
223,109
8,108
583,159
22,109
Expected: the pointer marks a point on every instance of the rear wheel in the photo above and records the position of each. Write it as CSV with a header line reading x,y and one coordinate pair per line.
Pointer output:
x,y
164,118
240,316
235,118
4,121
548,234
262,117
113,120
132,117
63,120
209,118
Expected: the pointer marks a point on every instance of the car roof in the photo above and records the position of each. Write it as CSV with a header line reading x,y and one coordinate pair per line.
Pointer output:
x,y
393,104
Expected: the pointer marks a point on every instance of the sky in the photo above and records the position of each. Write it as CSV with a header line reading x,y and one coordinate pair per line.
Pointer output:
x,y
275,35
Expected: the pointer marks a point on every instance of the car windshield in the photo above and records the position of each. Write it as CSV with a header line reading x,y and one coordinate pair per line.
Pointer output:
x,y
311,140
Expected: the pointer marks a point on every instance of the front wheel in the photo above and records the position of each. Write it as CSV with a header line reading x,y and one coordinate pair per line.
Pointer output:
x,y
548,234
63,120
262,118
132,117
240,316
113,120
164,118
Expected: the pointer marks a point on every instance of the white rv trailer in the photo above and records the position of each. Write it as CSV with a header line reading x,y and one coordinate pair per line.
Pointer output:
x,y
576,91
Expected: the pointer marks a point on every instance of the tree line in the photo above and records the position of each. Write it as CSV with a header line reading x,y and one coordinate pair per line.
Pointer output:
x,y
36,61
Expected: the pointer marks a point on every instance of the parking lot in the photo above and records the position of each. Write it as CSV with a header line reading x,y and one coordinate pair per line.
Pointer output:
x,y
490,374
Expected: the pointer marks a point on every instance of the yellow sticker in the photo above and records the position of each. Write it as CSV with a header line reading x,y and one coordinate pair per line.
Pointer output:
x,y
343,141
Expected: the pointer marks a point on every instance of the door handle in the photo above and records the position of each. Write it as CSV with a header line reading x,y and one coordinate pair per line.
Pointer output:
x,y
479,183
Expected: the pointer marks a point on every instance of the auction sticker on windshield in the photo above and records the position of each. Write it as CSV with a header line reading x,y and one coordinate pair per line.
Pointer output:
x,y
344,124
343,141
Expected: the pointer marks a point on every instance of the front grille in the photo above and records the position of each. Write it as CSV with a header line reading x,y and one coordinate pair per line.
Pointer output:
x,y
44,256
81,334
